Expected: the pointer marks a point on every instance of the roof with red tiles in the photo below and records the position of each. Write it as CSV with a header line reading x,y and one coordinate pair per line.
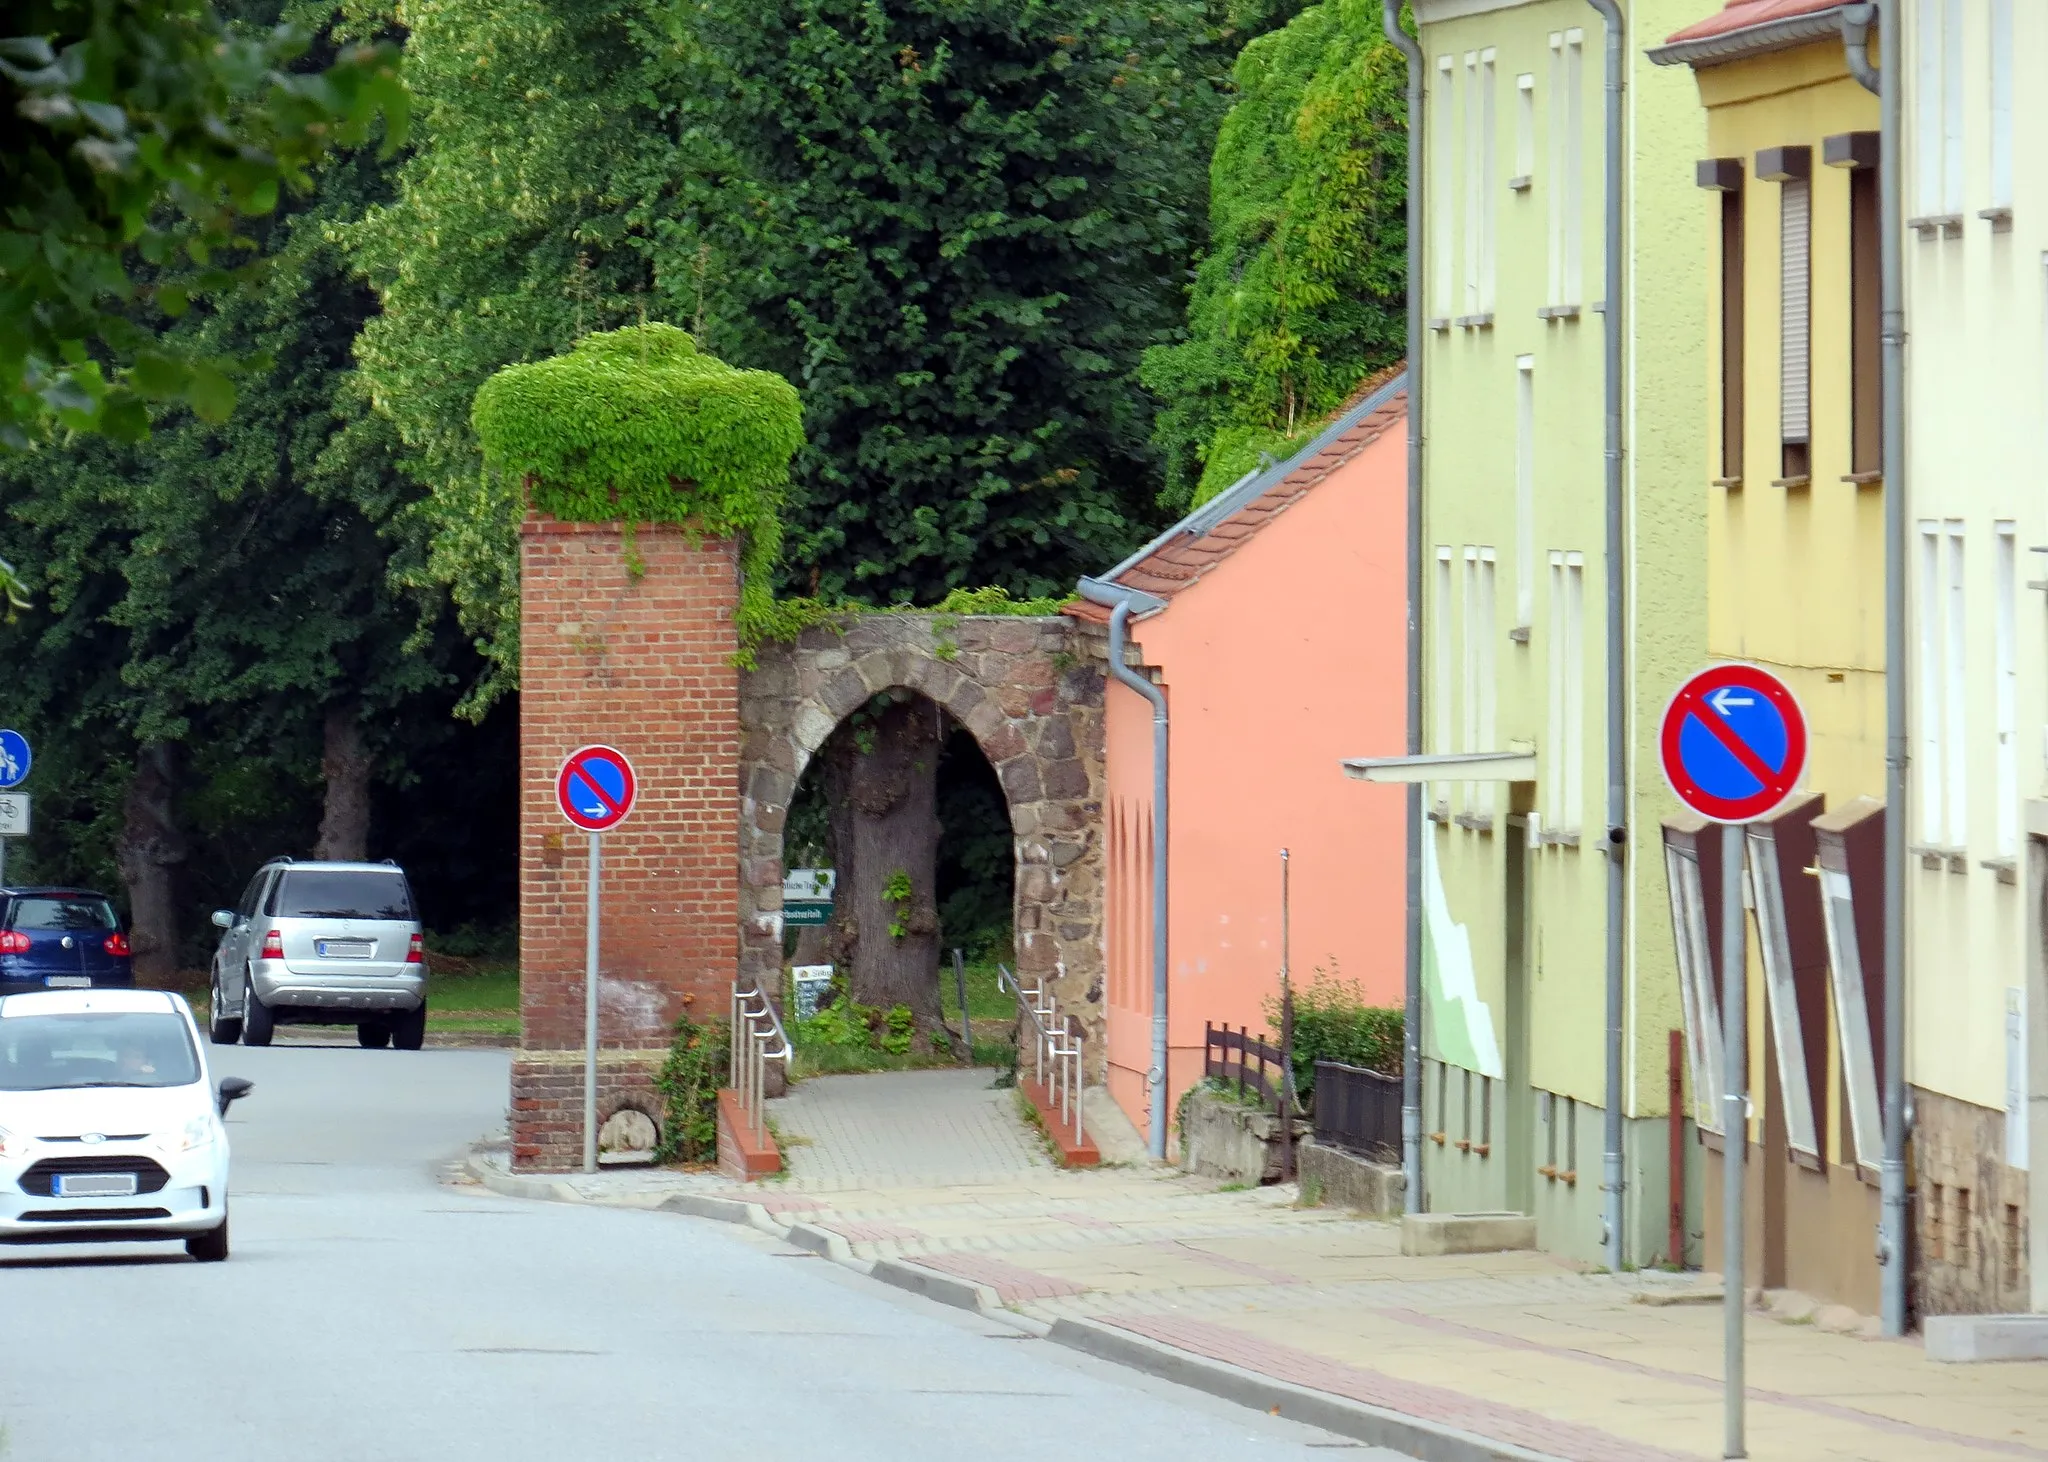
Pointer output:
x,y
1182,555
1766,19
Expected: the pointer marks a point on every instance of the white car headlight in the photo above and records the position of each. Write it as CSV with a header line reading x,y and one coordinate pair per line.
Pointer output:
x,y
12,1146
196,1133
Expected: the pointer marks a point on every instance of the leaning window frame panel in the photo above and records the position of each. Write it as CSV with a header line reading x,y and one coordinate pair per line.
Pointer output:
x,y
1793,944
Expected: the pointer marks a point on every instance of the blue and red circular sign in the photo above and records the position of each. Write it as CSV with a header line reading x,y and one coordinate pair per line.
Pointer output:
x,y
595,788
1733,742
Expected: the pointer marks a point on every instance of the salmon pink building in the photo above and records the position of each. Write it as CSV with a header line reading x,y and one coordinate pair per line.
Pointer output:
x,y
1272,619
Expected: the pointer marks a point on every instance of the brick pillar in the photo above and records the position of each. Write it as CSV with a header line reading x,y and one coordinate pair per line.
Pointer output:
x,y
641,661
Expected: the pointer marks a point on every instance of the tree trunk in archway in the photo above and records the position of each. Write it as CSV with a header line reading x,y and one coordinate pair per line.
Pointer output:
x,y
882,771
345,816
148,854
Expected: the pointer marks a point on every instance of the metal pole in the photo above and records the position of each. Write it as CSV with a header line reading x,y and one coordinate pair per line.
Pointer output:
x,y
1734,1135
590,1013
1612,1179
1286,1035
1892,1173
1411,1020
966,1026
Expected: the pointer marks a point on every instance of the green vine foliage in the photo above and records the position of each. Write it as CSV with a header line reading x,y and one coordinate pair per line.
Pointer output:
x,y
1300,296
636,425
688,1083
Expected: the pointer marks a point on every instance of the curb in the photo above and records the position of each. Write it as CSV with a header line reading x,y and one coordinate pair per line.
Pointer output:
x,y
1423,1440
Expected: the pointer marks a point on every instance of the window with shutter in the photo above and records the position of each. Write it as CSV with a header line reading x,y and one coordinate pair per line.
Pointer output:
x,y
1795,324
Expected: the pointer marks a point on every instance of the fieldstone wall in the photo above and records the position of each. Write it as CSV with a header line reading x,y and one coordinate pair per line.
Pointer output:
x,y
1029,690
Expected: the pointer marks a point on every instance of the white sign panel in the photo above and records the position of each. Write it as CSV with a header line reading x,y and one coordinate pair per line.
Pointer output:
x,y
13,814
812,981
809,883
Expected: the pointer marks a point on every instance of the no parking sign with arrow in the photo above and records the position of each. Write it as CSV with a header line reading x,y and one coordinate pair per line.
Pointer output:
x,y
1733,742
1733,745
595,790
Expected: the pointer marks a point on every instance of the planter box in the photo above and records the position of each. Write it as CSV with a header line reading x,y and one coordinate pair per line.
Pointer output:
x,y
1222,1138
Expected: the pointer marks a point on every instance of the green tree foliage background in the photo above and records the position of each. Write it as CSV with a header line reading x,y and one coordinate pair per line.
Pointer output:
x,y
1300,295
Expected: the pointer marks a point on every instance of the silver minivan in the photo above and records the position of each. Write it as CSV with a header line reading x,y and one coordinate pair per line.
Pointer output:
x,y
321,944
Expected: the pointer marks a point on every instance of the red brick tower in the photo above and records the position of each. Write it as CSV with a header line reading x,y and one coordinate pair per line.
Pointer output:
x,y
628,642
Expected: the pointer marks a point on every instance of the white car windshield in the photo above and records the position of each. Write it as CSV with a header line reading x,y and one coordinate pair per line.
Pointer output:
x,y
97,1048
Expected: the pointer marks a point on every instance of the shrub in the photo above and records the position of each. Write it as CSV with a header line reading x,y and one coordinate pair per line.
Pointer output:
x,y
1333,1022
688,1083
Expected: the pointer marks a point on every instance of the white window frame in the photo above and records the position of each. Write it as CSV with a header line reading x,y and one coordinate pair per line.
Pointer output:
x,y
1489,681
2005,689
1550,761
1444,221
1489,180
2001,63
1469,702
1574,691
1440,671
1956,688
1698,992
1952,130
1852,1018
1554,186
1774,941
1574,168
1525,125
1930,715
1475,183
1525,490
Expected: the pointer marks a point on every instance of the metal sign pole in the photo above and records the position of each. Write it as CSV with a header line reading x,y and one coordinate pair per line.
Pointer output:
x,y
1734,1134
590,1013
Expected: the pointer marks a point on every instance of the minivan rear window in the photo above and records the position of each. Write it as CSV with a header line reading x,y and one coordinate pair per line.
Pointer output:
x,y
44,912
308,893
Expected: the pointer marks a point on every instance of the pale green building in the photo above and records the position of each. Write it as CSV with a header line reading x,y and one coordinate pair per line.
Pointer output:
x,y
1515,605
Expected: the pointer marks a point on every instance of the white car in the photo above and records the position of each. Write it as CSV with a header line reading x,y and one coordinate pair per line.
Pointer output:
x,y
109,1129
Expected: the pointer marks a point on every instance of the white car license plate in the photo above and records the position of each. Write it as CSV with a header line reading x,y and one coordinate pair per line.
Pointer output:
x,y
345,948
95,1185
68,982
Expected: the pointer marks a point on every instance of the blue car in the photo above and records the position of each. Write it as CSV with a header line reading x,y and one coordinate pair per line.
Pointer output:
x,y
59,939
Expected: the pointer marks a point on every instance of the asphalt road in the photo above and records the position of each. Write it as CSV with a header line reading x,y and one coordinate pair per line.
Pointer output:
x,y
372,1312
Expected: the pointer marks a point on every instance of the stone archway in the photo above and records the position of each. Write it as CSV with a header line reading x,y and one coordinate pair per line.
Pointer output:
x,y
1030,696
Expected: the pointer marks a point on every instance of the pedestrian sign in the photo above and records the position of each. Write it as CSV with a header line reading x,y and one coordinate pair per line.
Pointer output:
x,y
595,789
14,759
1733,742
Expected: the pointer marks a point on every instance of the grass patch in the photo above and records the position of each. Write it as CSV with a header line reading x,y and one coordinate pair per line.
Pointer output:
x,y
834,1060
985,999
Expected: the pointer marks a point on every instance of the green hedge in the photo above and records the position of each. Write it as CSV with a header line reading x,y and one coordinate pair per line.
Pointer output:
x,y
1333,1022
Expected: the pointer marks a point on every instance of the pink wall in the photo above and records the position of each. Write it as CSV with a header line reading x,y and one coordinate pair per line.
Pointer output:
x,y
1285,658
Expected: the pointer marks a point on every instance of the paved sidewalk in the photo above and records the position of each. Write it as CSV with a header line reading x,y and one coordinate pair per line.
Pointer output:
x,y
921,1129
1521,1348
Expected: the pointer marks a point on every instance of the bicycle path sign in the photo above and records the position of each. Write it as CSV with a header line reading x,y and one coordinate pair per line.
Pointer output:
x,y
595,788
1733,742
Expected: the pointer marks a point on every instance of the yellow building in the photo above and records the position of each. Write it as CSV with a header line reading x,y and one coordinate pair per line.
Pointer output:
x,y
1794,512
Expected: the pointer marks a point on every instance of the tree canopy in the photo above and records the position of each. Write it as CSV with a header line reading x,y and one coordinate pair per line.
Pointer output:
x,y
1300,295
140,132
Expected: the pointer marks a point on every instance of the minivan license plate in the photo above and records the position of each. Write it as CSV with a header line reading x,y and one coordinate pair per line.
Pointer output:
x,y
345,948
68,982
95,1185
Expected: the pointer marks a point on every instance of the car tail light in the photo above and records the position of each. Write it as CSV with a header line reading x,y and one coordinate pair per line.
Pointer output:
x,y
13,942
416,951
273,944
116,944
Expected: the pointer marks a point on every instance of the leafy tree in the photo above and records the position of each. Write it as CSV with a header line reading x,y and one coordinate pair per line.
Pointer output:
x,y
524,216
1300,295
955,225
218,597
141,130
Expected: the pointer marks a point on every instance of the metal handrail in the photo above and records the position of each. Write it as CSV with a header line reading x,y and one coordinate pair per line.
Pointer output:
x,y
757,1039
1056,1043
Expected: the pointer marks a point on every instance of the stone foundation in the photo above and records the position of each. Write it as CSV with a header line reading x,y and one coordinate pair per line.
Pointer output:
x,y
1222,1138
1970,1211
547,1102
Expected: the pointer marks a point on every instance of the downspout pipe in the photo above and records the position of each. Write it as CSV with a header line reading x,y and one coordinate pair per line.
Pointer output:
x,y
1121,603
1411,1021
1612,1169
1889,86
